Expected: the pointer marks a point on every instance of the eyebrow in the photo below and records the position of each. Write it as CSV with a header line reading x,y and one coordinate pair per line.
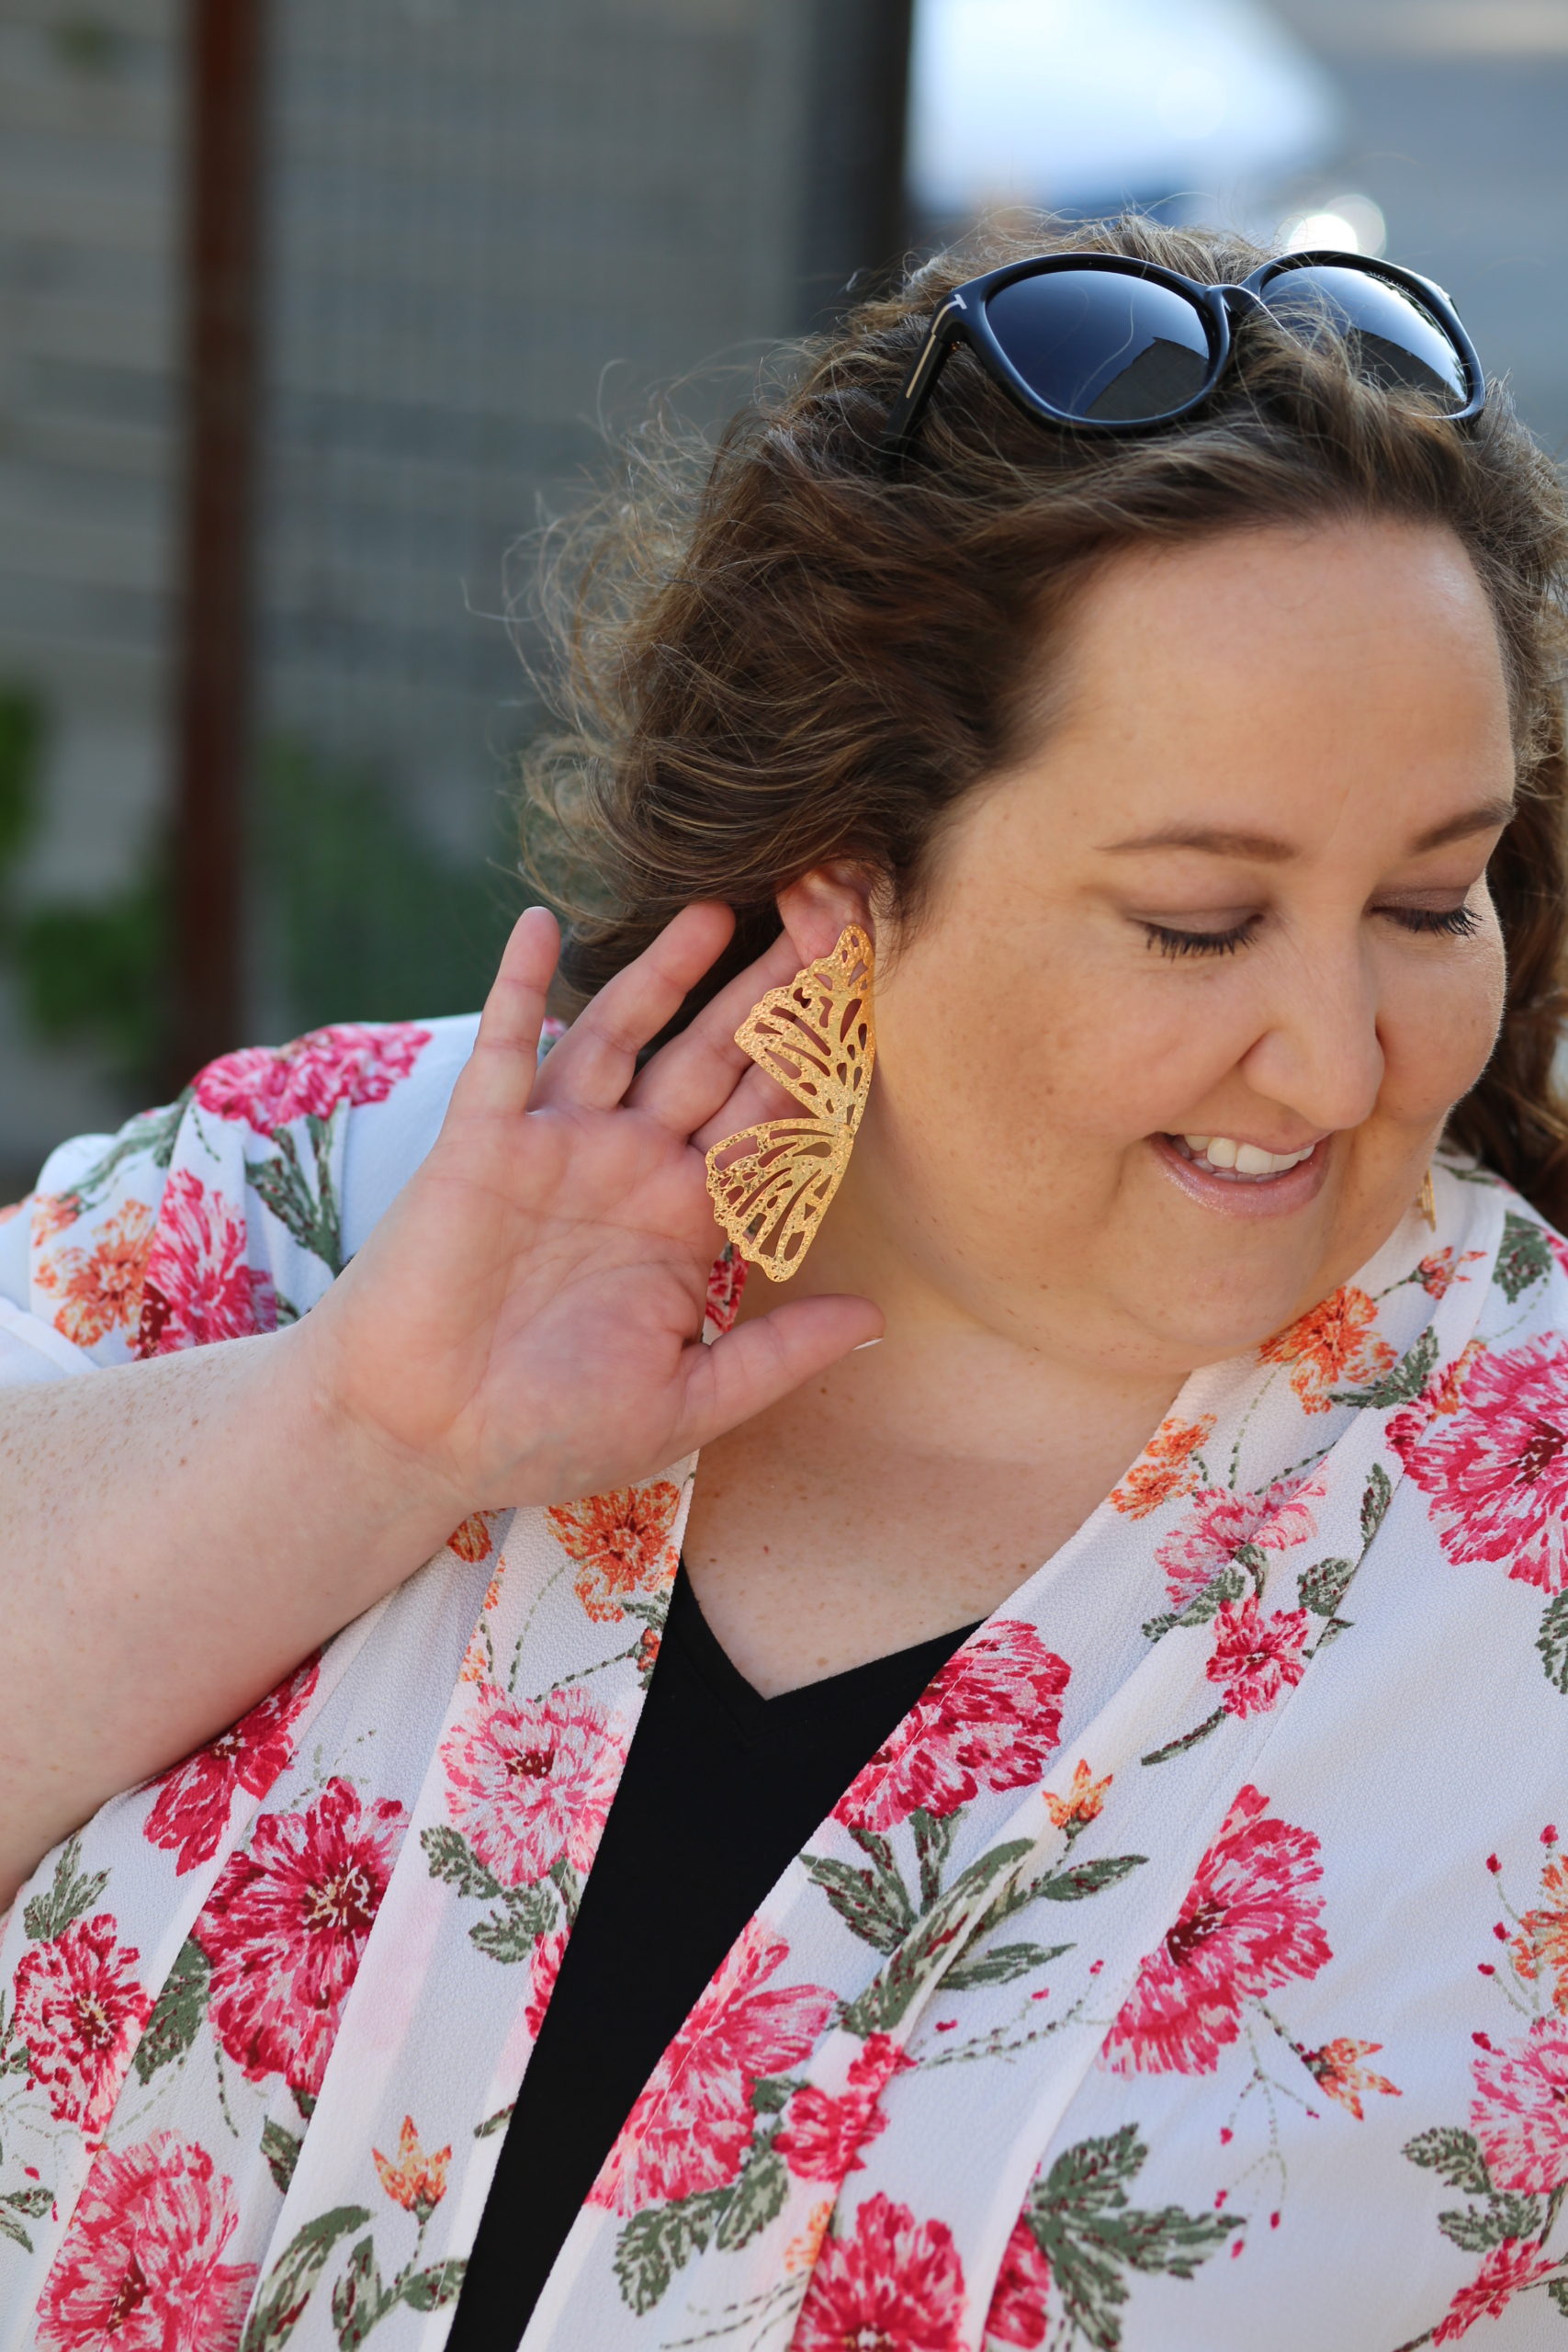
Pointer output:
x,y
1267,849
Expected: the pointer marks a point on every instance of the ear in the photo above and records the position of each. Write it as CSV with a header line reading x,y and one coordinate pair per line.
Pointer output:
x,y
822,904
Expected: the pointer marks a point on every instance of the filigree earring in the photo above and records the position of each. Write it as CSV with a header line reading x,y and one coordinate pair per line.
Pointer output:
x,y
771,1184
1427,1201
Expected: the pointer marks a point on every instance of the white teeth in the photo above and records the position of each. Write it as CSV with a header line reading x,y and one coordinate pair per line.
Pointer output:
x,y
1221,1154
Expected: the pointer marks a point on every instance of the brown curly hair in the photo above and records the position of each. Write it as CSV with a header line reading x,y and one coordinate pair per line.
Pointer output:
x,y
778,655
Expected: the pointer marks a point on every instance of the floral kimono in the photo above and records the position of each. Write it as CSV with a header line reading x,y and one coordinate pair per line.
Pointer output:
x,y
1188,1971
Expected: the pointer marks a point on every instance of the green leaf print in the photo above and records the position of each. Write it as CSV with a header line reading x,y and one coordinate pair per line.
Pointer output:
x,y
933,1943
150,1136
1001,1964
281,2148
1553,1642
1522,1258
1478,2228
437,2284
510,1935
1091,2236
452,1858
1401,1385
305,1204
11,2228
874,1906
1454,2155
934,1834
659,2241
1322,1587
289,2282
1558,2290
759,2199
34,2201
359,2299
177,2019
67,1898
1081,1879
1375,1501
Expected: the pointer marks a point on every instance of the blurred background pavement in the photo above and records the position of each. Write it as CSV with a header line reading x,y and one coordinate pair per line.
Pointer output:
x,y
310,308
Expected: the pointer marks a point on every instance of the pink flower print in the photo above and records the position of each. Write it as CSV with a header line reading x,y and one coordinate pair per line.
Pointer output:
x,y
548,1951
80,2008
1520,2110
1255,1657
100,1289
141,2268
1273,1519
1019,2314
693,2121
1517,2262
266,1088
894,2285
726,1282
1498,1467
1246,1925
621,1543
286,1927
191,1811
991,1718
530,1781
197,1286
1334,1345
821,2136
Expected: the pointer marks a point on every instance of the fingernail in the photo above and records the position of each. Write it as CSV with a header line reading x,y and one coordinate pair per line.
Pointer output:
x,y
864,1344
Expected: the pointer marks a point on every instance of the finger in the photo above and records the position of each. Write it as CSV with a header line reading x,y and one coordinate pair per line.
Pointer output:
x,y
757,1097
690,1080
761,1362
596,1060
499,1075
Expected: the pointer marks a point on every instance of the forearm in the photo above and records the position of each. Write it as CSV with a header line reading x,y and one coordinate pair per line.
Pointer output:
x,y
178,1536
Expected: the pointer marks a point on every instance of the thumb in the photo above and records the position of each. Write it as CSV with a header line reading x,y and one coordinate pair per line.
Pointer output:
x,y
758,1362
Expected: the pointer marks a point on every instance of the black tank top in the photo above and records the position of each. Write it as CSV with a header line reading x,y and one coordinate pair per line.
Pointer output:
x,y
721,1790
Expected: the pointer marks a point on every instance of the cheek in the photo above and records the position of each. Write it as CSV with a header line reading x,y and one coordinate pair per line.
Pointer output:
x,y
1438,1028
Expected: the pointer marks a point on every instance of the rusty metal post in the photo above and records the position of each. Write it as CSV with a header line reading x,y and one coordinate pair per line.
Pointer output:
x,y
224,56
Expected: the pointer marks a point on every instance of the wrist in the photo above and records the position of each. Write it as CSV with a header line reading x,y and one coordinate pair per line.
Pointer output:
x,y
386,1486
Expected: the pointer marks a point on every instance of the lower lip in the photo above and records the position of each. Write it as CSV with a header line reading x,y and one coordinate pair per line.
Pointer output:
x,y
1261,1196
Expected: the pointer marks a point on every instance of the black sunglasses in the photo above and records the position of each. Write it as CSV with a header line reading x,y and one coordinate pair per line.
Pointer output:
x,y
1107,343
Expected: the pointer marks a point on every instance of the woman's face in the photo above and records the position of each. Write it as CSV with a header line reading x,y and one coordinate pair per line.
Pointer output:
x,y
1233,894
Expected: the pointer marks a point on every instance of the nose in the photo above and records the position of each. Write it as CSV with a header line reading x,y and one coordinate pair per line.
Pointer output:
x,y
1320,1057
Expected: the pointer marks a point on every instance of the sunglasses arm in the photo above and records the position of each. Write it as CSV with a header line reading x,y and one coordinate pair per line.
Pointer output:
x,y
904,417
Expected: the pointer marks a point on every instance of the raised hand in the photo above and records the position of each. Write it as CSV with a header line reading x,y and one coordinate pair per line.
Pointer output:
x,y
524,1324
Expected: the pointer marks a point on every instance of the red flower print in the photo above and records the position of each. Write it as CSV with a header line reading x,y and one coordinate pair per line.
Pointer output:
x,y
198,1287
1517,2262
286,1926
80,2009
620,1542
1332,1346
1163,1469
348,1064
191,1812
100,1289
1246,1925
141,2267
1017,2312
530,1779
1542,1943
820,2135
547,1955
1520,2110
416,2181
991,1718
1497,1468
1255,1657
1271,1519
896,2285
1336,2068
692,2119
727,1281
472,1541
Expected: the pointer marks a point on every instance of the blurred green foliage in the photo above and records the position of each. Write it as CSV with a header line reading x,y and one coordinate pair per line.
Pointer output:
x,y
361,918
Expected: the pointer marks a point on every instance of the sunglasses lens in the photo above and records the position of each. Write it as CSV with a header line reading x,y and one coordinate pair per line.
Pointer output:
x,y
1393,341
1103,346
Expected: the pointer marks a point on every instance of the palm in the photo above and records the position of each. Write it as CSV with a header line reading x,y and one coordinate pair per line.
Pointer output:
x,y
523,1321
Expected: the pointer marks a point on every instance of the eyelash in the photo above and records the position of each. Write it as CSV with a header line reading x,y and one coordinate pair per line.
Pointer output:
x,y
1452,923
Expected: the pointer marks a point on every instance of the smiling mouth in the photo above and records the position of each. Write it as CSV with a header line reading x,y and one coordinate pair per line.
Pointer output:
x,y
1238,1164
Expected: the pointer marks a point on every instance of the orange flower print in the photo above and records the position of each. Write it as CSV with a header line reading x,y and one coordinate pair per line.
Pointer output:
x,y
1541,1945
1164,1469
620,1542
52,1212
1336,2068
1082,1802
1334,1346
100,1290
471,1541
416,2182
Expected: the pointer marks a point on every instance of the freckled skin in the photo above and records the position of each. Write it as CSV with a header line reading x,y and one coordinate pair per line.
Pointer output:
x,y
1047,1283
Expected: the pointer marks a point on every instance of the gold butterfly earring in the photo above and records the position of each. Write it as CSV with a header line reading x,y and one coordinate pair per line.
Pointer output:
x,y
817,1038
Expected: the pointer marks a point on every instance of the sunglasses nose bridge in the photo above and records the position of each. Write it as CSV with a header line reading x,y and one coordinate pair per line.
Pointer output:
x,y
1240,302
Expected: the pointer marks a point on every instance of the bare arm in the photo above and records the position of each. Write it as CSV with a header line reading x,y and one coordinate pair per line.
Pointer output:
x,y
524,1326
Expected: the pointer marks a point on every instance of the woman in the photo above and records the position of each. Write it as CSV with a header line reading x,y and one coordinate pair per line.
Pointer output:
x,y
1165,1946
